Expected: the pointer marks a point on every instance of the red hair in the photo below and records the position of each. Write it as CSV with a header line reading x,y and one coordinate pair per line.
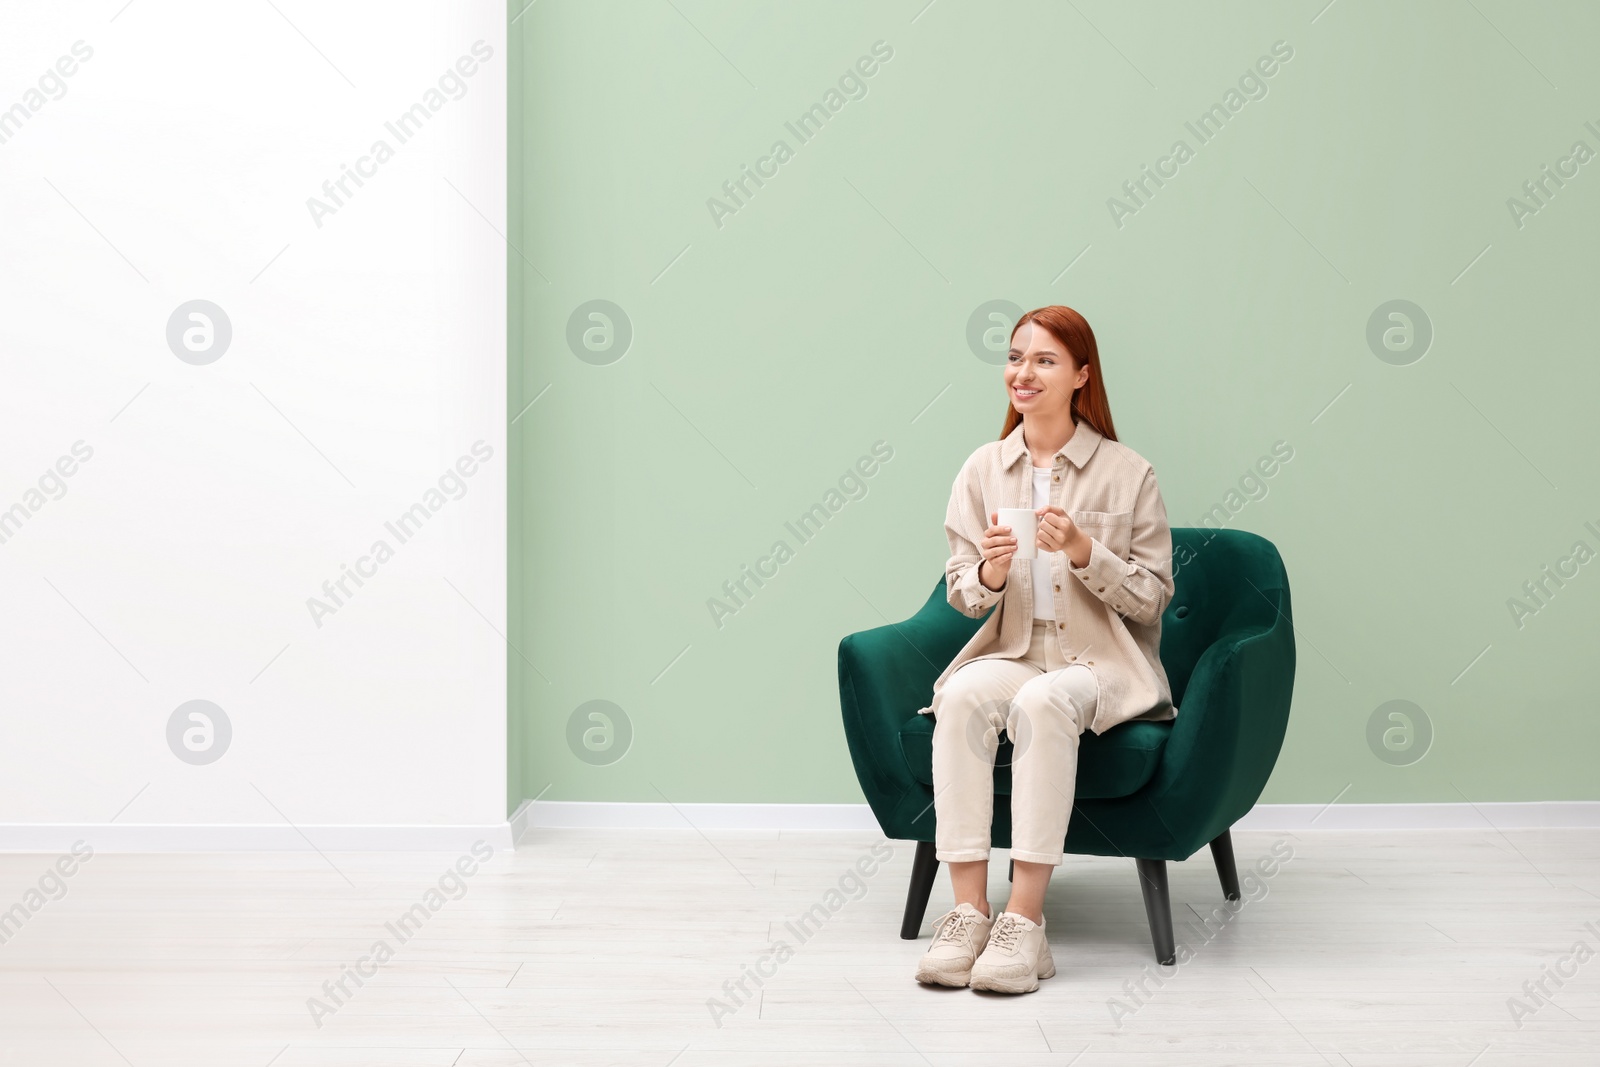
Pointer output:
x,y
1089,402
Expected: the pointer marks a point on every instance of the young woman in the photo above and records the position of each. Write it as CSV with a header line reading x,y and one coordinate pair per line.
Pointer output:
x,y
1072,644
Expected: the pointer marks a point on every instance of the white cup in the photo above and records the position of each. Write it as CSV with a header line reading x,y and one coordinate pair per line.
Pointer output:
x,y
1024,523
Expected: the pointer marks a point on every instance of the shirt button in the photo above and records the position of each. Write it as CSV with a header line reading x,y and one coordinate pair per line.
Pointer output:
x,y
1102,589
1058,589
1061,626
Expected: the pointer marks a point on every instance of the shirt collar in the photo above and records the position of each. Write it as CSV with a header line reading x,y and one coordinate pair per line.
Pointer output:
x,y
1079,447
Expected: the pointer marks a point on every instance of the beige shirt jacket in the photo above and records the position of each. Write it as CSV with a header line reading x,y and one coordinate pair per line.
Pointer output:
x,y
1108,612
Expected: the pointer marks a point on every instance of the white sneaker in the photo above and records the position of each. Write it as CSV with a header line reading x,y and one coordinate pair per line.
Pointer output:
x,y
958,936
1016,957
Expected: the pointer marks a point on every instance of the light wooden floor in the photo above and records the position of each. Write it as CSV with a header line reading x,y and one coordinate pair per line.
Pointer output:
x,y
603,947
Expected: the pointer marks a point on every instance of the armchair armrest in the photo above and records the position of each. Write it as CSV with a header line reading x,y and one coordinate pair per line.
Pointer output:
x,y
1227,733
886,675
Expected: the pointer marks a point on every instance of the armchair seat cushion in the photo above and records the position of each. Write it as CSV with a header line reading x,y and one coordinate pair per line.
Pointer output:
x,y
1116,763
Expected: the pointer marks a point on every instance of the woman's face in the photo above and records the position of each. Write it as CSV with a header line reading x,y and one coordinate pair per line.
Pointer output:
x,y
1040,376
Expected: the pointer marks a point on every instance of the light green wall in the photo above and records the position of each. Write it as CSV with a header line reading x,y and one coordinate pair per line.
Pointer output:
x,y
831,312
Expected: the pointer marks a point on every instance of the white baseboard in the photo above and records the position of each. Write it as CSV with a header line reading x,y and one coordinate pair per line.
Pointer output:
x,y
654,816
1498,815
532,815
1522,815
241,837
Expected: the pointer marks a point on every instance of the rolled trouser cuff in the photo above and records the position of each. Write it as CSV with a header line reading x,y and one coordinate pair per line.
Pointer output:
x,y
966,855
1037,857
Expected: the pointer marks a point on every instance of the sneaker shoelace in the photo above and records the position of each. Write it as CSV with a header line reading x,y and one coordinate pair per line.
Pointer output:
x,y
1006,932
953,925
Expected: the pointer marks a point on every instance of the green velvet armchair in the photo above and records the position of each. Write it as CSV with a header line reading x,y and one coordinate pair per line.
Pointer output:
x,y
1149,791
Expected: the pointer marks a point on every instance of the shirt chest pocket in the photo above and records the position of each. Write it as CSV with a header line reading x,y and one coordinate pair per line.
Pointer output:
x,y
1114,529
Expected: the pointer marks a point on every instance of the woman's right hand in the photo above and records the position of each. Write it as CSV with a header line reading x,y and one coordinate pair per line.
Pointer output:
x,y
997,548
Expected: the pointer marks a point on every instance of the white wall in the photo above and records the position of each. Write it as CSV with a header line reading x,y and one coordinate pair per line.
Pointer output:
x,y
368,356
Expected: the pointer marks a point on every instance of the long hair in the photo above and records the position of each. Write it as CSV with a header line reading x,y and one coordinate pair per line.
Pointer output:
x,y
1072,330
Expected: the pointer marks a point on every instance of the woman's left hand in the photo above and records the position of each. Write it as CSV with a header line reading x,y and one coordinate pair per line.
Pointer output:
x,y
1058,533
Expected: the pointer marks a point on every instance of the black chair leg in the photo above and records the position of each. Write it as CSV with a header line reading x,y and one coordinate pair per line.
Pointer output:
x,y
1011,872
1157,907
923,867
1222,854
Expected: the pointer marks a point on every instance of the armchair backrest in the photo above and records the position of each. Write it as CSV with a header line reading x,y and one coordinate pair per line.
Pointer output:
x,y
1225,580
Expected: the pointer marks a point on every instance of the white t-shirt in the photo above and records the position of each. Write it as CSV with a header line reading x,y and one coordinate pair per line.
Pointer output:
x,y
1044,600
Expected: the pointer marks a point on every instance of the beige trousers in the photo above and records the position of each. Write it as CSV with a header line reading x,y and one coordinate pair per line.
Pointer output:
x,y
1044,705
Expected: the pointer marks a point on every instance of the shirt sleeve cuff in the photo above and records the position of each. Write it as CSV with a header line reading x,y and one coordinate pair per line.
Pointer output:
x,y
981,596
1104,572
970,595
